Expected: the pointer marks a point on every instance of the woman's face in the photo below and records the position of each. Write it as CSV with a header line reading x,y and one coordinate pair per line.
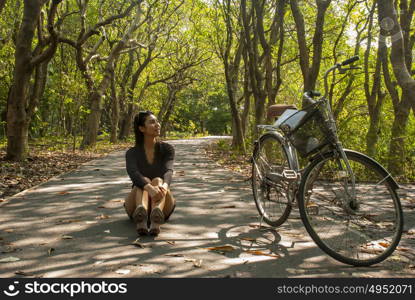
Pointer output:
x,y
151,126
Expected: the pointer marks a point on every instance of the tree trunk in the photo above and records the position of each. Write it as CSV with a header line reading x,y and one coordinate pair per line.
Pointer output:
x,y
2,4
17,120
165,118
238,137
310,72
397,153
115,111
387,12
95,98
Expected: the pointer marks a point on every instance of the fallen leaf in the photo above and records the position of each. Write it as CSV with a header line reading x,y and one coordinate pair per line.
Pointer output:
x,y
63,193
102,217
91,222
122,271
68,221
137,244
403,249
174,255
197,263
9,259
67,237
50,251
385,245
256,252
372,251
22,273
171,242
222,249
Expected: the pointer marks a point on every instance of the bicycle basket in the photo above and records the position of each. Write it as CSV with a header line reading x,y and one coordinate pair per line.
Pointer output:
x,y
307,129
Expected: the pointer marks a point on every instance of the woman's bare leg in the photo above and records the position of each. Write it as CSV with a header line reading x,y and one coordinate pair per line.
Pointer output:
x,y
129,203
167,203
160,209
136,206
136,198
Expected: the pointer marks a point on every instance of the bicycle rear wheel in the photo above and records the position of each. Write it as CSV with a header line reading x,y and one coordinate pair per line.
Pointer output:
x,y
271,193
359,230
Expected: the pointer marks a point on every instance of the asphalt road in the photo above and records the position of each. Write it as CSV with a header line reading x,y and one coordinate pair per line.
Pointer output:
x,y
75,226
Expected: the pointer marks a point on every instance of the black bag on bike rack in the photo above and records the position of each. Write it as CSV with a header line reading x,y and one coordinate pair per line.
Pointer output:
x,y
309,132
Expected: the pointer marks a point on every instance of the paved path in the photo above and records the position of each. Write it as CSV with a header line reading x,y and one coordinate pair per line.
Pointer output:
x,y
75,226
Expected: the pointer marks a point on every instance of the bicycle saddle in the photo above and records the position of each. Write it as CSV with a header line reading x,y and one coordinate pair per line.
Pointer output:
x,y
277,110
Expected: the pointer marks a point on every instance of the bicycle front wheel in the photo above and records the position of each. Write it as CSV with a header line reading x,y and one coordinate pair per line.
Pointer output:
x,y
271,192
358,224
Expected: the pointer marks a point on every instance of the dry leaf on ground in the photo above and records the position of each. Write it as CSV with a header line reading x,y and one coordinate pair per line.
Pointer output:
x,y
9,259
198,263
102,217
137,244
22,273
256,252
174,255
67,221
221,249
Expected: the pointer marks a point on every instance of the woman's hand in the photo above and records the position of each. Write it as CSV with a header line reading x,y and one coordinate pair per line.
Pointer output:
x,y
164,187
154,192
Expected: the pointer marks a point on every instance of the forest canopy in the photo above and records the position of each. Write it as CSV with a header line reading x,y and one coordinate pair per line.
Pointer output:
x,y
79,69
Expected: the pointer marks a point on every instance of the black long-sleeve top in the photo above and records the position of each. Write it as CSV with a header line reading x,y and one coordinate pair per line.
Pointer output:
x,y
138,167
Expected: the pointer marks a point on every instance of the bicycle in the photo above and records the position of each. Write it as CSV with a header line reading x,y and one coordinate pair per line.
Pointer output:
x,y
347,201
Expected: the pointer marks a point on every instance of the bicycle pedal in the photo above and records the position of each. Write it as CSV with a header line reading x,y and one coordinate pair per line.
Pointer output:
x,y
289,174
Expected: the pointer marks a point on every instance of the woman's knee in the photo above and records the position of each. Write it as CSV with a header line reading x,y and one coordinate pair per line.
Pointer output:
x,y
157,181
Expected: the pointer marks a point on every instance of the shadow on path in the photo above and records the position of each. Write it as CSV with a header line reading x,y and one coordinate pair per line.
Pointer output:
x,y
75,226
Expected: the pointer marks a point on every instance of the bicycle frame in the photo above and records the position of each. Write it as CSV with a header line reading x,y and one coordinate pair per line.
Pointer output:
x,y
336,144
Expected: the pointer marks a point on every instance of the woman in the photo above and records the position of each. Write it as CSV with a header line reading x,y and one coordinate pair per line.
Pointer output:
x,y
150,167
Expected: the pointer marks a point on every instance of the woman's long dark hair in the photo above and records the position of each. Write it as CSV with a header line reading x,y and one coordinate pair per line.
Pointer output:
x,y
139,120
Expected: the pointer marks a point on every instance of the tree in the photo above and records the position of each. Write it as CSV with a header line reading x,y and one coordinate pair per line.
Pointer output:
x,y
19,106
229,47
310,72
401,44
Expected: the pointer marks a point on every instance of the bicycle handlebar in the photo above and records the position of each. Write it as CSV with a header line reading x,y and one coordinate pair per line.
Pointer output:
x,y
337,66
350,60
